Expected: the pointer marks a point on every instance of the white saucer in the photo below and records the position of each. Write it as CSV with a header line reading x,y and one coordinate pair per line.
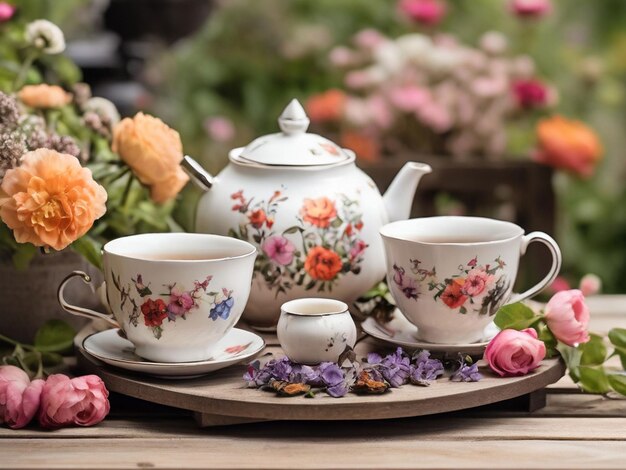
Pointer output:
x,y
399,331
107,346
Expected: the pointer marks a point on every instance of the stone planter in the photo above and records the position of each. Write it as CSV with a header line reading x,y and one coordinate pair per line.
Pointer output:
x,y
28,298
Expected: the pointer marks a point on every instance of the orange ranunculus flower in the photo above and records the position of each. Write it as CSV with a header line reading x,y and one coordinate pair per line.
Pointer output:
x,y
327,106
453,295
44,96
319,212
154,152
50,200
322,264
568,144
364,146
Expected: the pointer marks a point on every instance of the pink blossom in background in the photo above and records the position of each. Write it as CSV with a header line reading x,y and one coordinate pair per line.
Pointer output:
x,y
590,284
19,397
6,11
219,128
408,98
567,316
358,79
369,39
379,111
180,302
82,401
426,12
559,284
513,352
279,249
494,42
341,56
530,8
531,93
435,116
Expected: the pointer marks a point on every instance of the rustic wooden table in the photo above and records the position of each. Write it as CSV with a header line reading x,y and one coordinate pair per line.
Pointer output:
x,y
573,430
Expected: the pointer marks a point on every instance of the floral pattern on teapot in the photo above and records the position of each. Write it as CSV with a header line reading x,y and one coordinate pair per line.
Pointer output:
x,y
475,288
180,302
330,244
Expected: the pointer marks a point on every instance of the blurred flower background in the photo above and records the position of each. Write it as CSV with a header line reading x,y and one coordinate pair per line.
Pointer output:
x,y
536,81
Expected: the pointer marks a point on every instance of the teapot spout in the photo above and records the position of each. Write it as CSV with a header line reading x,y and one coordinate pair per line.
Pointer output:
x,y
198,175
398,198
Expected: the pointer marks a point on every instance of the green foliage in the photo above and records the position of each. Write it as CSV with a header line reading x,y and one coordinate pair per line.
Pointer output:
x,y
516,316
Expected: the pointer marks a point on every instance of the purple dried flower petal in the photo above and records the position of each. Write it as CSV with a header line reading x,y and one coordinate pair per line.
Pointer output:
x,y
396,368
303,374
374,358
425,369
466,373
338,390
332,375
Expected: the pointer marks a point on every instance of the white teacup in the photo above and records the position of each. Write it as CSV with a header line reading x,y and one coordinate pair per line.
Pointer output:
x,y
175,295
314,330
449,275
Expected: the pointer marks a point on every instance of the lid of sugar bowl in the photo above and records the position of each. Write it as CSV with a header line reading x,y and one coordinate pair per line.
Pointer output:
x,y
293,146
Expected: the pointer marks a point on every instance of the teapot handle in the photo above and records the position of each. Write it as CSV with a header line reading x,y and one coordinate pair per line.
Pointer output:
x,y
81,311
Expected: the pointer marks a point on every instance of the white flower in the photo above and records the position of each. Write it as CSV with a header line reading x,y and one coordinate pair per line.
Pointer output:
x,y
494,43
103,108
46,36
389,58
414,46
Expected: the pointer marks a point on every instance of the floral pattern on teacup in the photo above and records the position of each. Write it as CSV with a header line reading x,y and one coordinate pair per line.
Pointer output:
x,y
179,302
330,244
475,288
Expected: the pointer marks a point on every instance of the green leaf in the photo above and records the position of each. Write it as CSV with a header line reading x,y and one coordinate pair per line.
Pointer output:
x,y
55,336
593,379
516,316
571,356
89,249
617,383
336,223
292,229
23,255
548,339
593,351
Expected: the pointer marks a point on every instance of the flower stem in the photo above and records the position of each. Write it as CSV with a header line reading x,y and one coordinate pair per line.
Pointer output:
x,y
21,75
6,339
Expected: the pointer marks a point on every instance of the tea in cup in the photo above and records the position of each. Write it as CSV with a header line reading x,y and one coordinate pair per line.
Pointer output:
x,y
450,275
314,330
174,295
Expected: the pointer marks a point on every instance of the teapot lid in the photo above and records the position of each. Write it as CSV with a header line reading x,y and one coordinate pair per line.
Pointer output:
x,y
293,146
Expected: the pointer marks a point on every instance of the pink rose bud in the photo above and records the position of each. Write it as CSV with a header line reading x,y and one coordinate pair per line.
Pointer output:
x,y
82,401
426,12
567,317
590,284
19,397
513,352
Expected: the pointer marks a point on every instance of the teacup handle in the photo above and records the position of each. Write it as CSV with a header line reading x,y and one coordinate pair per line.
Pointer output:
x,y
81,311
555,251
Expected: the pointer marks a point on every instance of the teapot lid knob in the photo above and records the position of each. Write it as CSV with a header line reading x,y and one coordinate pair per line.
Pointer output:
x,y
293,120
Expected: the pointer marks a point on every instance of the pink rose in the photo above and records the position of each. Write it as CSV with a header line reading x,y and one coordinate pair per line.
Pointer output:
x,y
279,249
530,8
19,397
513,352
6,11
82,401
567,317
427,12
530,93
180,302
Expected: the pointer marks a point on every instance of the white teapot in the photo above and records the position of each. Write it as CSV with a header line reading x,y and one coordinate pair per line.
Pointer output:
x,y
312,214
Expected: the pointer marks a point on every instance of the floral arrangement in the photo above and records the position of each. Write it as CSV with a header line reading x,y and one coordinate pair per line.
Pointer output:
x,y
71,173
375,375
57,401
329,246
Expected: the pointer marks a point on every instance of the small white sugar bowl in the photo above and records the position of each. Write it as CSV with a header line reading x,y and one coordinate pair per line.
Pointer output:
x,y
314,330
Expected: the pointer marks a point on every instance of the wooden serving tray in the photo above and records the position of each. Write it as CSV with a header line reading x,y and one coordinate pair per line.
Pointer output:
x,y
223,398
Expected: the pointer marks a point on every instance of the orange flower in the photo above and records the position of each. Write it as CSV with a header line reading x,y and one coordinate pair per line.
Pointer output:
x,y
154,152
327,106
44,96
322,264
319,211
366,148
50,199
257,218
568,144
452,295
